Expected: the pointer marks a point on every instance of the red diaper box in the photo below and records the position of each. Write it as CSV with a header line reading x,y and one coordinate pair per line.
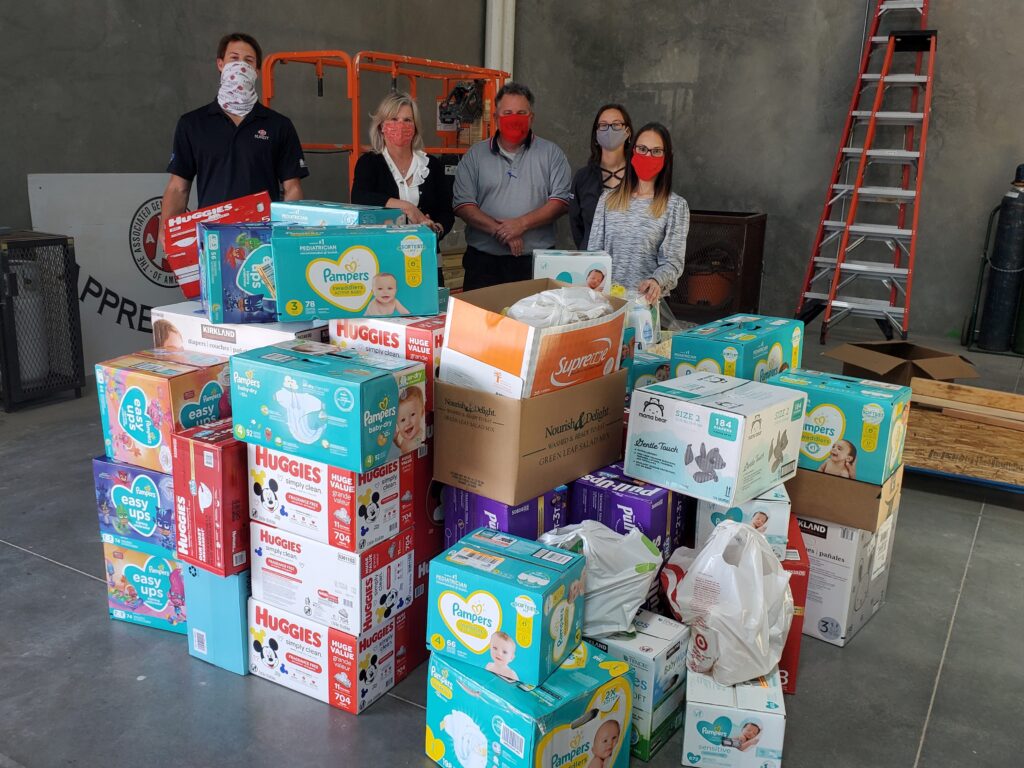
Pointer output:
x,y
798,567
210,498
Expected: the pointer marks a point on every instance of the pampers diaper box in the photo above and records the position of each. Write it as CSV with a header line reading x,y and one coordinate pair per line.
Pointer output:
x,y
317,213
465,511
717,438
854,428
342,272
579,718
509,605
147,396
315,401
745,346
217,621
592,269
236,268
134,504
648,368
144,584
768,514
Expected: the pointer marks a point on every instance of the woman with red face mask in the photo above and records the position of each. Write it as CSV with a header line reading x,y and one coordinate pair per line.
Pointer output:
x,y
643,223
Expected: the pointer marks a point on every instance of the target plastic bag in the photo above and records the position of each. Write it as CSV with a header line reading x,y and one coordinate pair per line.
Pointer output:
x,y
619,574
735,597
560,306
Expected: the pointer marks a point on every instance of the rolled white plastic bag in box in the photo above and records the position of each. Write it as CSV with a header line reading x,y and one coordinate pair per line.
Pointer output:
x,y
560,306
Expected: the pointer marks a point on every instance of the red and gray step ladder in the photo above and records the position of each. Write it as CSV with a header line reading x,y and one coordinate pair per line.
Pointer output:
x,y
862,263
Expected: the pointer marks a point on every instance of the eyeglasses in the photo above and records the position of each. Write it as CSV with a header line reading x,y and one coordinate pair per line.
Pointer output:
x,y
640,149
616,126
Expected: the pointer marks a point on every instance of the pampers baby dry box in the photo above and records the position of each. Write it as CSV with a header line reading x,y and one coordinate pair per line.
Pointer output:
x,y
509,605
745,346
317,213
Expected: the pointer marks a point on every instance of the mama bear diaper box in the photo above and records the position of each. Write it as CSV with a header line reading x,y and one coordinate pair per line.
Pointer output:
x,y
147,396
345,671
144,584
217,618
507,604
329,272
464,511
314,401
853,428
317,213
745,346
346,591
134,504
768,514
237,272
714,437
739,726
580,717
592,269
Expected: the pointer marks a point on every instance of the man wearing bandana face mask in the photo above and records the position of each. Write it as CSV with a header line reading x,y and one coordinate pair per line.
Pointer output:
x,y
510,190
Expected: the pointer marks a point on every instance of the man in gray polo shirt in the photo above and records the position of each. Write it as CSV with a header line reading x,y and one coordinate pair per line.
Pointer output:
x,y
510,190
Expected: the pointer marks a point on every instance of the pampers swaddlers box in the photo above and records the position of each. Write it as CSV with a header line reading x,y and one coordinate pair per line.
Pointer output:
x,y
237,272
853,428
579,718
145,584
318,213
745,346
648,368
592,269
768,514
134,504
509,605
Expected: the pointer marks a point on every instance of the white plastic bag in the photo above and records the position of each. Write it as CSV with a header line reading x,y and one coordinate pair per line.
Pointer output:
x,y
619,574
735,596
560,306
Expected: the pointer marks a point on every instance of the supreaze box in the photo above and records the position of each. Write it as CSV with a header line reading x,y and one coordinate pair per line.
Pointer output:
x,y
346,591
745,346
317,213
144,584
313,401
768,514
134,504
488,351
592,269
506,604
713,437
580,717
217,619
237,272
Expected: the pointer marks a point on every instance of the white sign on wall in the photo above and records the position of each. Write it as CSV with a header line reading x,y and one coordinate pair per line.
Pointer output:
x,y
114,219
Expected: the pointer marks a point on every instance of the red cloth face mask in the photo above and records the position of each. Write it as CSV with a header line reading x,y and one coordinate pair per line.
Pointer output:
x,y
514,127
647,167
398,133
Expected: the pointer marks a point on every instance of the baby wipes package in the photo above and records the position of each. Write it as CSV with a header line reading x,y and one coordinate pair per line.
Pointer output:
x,y
341,272
579,718
717,438
217,618
236,271
854,428
592,269
313,400
144,584
509,605
768,514
317,213
648,368
134,504
465,511
745,346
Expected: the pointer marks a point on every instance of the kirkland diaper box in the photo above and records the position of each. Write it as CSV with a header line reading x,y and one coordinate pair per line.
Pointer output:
x,y
656,652
134,504
592,269
745,346
318,213
768,514
717,438
217,621
798,567
144,584
342,272
736,726
315,401
580,717
465,511
148,395
854,428
506,604
236,268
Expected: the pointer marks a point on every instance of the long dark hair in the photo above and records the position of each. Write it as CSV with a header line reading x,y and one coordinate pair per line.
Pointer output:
x,y
595,148
620,197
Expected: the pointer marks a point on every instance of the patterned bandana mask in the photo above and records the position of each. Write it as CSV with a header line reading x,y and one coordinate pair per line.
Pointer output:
x,y
237,93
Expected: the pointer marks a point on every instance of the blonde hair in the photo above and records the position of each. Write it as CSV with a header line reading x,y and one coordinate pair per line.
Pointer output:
x,y
387,109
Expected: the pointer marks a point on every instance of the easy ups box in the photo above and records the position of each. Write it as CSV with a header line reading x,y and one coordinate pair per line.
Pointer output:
x,y
318,213
745,346
236,269
897,362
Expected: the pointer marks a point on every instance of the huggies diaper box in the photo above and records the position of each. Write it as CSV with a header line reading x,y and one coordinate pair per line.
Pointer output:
x,y
144,584
217,620
464,511
714,437
210,498
313,400
854,428
318,213
134,504
592,269
348,672
768,514
745,346
509,605
372,271
237,272
148,395
346,591
579,718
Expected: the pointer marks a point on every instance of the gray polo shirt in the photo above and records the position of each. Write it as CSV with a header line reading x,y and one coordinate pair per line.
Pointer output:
x,y
504,187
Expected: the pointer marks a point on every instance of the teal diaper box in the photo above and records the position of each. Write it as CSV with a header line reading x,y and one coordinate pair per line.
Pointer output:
x,y
359,271
579,718
745,346
509,605
318,213
217,624
648,368
349,410
854,428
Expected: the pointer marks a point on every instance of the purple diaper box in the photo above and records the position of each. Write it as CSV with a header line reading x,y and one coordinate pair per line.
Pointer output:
x,y
465,511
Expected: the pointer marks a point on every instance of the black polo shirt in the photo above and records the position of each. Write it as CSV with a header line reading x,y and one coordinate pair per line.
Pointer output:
x,y
231,161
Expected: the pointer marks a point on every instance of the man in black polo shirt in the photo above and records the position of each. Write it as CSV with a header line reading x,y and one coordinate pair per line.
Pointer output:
x,y
234,146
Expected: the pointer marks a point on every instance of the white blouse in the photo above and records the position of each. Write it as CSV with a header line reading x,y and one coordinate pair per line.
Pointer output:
x,y
409,184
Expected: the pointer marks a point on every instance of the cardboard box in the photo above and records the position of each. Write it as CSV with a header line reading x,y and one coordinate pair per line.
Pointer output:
x,y
720,719
217,619
768,513
186,326
146,396
329,272
656,652
318,213
312,400
134,504
465,511
797,566
475,720
864,506
648,368
591,269
717,438
897,362
347,591
751,347
144,584
488,351
853,428
236,269
514,450
508,605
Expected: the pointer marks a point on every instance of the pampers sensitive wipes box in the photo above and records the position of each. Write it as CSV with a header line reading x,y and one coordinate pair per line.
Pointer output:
x,y
768,514
317,213
509,605
579,718
133,503
236,272
592,269
315,401
853,428
745,346
144,584
717,438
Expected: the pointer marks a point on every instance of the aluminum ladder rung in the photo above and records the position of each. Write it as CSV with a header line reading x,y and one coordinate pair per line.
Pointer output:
x,y
902,5
874,231
893,194
889,118
897,156
902,79
858,306
865,268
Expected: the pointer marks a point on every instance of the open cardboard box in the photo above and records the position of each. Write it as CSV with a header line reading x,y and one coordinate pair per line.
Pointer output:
x,y
864,506
897,362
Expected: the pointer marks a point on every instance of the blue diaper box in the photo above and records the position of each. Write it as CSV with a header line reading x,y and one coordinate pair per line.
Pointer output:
x,y
236,272
217,618
318,213
745,346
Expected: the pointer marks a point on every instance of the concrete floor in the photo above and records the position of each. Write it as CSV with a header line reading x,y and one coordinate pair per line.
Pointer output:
x,y
935,679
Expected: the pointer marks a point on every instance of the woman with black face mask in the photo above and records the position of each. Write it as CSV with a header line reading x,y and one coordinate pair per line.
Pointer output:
x,y
609,153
